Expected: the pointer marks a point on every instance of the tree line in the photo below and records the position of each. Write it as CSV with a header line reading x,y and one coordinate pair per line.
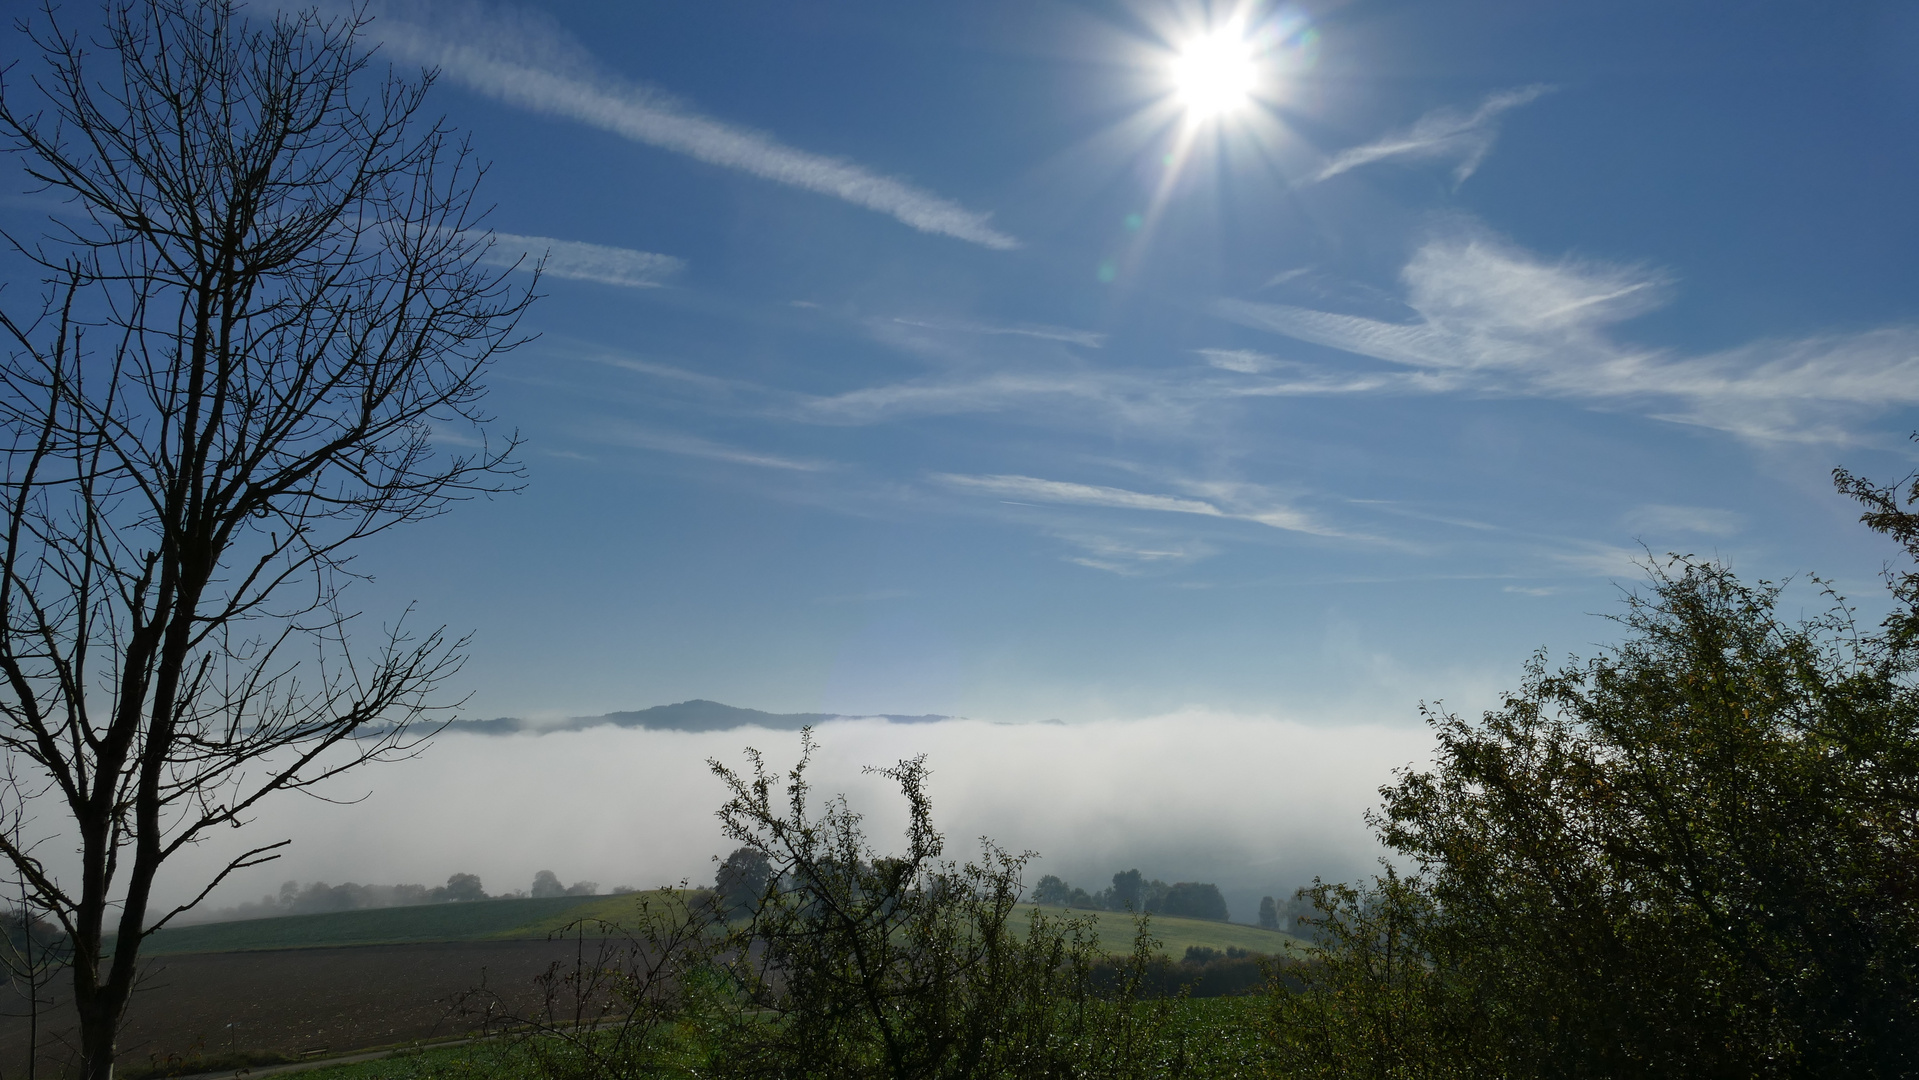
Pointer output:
x,y
1132,892
318,897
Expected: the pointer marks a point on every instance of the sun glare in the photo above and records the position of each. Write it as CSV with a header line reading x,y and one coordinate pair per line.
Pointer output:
x,y
1215,74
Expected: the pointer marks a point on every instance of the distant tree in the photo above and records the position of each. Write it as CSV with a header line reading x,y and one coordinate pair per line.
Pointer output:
x,y
319,897
263,296
1058,893
460,887
741,880
546,883
1268,914
1129,891
1299,915
1193,900
583,888
1052,891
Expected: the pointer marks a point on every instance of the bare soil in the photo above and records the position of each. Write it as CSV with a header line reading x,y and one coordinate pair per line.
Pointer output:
x,y
291,1001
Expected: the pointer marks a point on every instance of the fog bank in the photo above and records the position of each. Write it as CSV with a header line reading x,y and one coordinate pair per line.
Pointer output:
x,y
1256,805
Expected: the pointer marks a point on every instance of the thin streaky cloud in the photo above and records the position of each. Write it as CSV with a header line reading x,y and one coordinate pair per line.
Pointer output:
x,y
693,446
1703,520
1132,556
1442,133
1594,559
1230,502
1092,339
711,383
1034,489
1244,361
1120,394
583,262
527,61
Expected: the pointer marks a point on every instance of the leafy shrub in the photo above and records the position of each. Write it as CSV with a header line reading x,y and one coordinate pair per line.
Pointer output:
x,y
1694,855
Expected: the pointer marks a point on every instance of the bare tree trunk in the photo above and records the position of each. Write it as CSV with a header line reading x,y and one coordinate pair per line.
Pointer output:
x,y
274,296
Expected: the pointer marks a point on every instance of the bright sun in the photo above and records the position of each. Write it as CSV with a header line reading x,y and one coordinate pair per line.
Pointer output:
x,y
1215,74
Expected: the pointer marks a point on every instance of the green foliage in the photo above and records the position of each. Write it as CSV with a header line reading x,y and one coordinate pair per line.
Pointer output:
x,y
610,1015
1131,892
863,964
1694,855
1193,900
1371,1003
1213,1039
742,880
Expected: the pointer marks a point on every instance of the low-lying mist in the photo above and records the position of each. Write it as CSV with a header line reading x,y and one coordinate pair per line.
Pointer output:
x,y
1257,806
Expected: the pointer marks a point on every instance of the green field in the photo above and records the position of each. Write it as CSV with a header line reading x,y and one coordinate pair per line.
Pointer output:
x,y
475,921
492,920
1115,930
1213,1039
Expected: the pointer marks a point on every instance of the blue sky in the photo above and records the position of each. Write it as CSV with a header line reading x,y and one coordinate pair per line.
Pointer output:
x,y
931,358
936,358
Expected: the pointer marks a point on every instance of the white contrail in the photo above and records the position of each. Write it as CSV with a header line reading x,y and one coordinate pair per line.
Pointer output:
x,y
528,62
583,262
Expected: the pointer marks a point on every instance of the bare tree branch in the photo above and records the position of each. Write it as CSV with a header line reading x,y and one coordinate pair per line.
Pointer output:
x,y
267,298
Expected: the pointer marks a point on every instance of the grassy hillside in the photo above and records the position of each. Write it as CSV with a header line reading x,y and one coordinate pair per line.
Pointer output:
x,y
1115,930
378,926
493,920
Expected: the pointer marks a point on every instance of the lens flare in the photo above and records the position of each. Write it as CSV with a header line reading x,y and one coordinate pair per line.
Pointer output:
x,y
1215,74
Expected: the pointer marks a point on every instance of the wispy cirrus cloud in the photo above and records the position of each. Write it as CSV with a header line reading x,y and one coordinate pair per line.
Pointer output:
x,y
1244,361
525,59
997,391
1594,559
1701,520
1464,137
1132,556
1092,339
670,442
1495,319
583,262
1034,489
1217,500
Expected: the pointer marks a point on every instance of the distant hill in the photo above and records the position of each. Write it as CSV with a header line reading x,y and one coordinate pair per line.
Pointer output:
x,y
696,715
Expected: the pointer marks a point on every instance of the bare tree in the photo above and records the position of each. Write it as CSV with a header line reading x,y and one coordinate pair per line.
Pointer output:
x,y
264,305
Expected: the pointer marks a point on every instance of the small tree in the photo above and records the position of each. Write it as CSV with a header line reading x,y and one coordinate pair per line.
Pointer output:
x,y
33,952
263,298
906,965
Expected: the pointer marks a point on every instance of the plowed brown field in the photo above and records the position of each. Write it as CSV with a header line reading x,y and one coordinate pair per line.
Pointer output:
x,y
293,1000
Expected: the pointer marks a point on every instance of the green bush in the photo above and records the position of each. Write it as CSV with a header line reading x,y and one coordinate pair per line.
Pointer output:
x,y
1695,855
859,963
